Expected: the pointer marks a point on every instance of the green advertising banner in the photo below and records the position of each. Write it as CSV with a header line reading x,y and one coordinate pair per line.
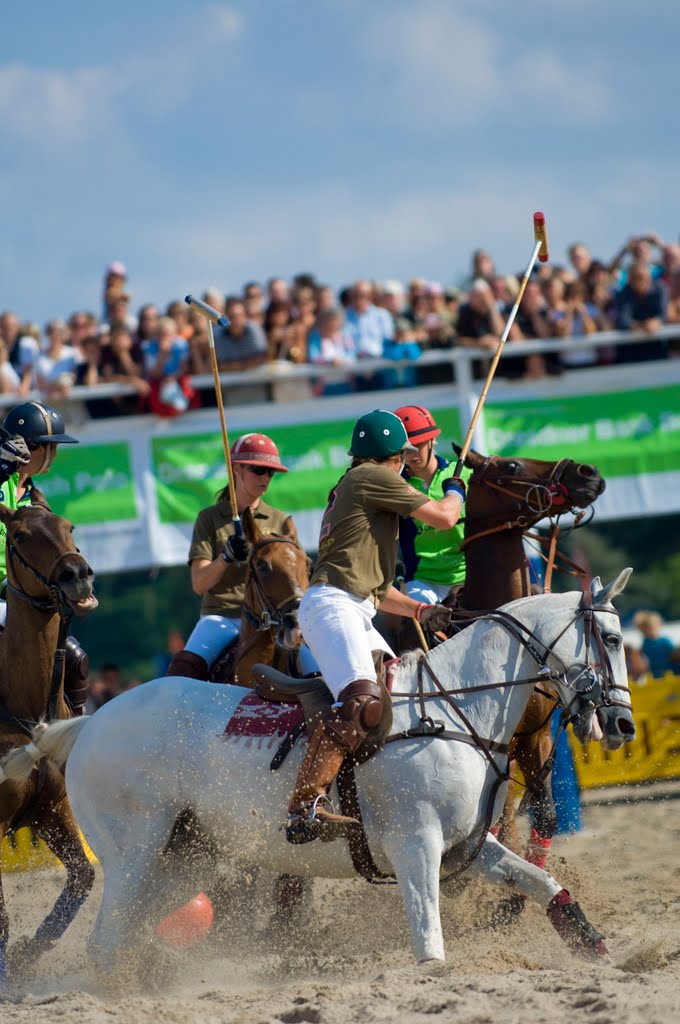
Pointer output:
x,y
92,483
190,470
624,433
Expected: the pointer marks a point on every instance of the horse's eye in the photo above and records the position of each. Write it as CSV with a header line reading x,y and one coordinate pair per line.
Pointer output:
x,y
613,640
513,468
263,567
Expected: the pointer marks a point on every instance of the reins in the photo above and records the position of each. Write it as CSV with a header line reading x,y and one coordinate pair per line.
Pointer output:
x,y
271,616
541,653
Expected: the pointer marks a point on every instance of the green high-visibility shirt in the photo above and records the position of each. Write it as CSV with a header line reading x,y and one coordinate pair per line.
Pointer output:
x,y
8,496
440,559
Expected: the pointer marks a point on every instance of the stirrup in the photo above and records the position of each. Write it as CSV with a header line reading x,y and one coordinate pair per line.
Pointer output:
x,y
318,820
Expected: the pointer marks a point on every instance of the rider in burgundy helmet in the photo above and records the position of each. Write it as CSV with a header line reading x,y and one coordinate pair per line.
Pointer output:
x,y
218,556
433,558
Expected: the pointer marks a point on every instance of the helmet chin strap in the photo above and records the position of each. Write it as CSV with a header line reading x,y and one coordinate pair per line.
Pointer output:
x,y
50,452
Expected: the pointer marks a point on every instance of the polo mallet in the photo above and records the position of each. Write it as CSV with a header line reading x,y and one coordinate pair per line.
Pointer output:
x,y
213,316
540,251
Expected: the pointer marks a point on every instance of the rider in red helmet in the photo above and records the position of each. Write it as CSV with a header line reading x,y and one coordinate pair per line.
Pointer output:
x,y
433,559
217,556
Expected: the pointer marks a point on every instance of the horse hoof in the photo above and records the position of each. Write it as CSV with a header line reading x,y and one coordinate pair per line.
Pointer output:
x,y
572,925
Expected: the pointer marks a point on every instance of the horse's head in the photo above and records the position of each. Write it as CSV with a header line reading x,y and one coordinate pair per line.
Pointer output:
x,y
594,689
523,491
44,567
278,575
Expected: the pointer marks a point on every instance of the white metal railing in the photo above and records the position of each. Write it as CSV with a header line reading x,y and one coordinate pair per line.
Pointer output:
x,y
459,358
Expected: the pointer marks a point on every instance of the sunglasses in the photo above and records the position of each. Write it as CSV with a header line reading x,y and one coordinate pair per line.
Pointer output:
x,y
260,471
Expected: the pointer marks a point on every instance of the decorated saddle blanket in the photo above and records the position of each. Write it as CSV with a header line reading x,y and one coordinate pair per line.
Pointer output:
x,y
263,720
269,722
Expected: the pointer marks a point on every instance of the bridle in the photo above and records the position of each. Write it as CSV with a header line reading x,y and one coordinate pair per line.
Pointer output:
x,y
271,616
57,602
581,678
539,497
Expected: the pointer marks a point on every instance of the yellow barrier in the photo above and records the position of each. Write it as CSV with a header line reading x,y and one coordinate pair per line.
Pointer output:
x,y
653,755
23,851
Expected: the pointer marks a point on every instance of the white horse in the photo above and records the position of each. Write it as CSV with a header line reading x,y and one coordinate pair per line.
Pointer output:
x,y
158,754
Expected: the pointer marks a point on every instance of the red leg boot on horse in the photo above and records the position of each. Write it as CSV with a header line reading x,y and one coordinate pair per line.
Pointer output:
x,y
358,711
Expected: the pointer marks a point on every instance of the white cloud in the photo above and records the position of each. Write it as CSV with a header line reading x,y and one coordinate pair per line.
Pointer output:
x,y
48,110
445,68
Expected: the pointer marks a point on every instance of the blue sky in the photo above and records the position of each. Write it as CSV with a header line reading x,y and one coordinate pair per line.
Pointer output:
x,y
208,144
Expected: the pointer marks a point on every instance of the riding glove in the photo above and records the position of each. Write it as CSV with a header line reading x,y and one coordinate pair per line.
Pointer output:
x,y
13,454
455,484
236,549
435,616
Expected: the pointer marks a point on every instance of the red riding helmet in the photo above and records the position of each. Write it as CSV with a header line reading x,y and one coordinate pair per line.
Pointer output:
x,y
257,449
419,423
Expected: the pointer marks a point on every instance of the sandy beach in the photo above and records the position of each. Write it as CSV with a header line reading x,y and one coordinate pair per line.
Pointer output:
x,y
350,958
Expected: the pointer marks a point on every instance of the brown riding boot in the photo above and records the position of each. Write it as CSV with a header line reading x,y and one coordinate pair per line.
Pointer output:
x,y
311,813
186,663
359,709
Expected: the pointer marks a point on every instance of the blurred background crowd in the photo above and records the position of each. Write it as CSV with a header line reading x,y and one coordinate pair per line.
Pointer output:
x,y
155,348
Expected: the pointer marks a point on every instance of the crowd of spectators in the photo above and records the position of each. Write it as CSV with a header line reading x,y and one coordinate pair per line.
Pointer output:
x,y
156,350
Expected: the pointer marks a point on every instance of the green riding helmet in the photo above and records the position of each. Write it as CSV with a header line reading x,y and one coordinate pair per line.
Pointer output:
x,y
379,434
37,424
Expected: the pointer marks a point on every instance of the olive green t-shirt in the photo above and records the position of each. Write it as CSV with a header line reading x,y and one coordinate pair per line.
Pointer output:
x,y
358,539
213,526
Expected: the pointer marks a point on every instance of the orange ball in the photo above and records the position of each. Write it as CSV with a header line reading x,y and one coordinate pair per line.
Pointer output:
x,y
188,925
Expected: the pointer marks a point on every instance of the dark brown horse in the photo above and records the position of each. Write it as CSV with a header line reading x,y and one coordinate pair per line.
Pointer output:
x,y
49,581
507,497
277,577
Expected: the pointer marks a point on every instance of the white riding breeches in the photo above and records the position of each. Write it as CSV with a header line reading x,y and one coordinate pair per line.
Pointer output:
x,y
210,636
338,629
427,593
213,633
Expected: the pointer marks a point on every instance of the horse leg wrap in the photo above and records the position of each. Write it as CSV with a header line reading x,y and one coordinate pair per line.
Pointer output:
x,y
572,925
186,663
60,917
76,672
538,849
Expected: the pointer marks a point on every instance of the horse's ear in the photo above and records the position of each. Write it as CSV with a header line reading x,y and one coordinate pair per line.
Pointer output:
x,y
612,590
473,460
6,514
250,527
288,530
38,498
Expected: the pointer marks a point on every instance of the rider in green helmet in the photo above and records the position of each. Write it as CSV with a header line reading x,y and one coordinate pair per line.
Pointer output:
x,y
29,438
353,577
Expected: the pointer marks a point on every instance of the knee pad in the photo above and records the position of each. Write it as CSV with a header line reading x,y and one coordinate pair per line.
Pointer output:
x,y
361,712
77,662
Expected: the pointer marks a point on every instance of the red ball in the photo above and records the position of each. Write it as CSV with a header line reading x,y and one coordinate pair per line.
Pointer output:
x,y
188,925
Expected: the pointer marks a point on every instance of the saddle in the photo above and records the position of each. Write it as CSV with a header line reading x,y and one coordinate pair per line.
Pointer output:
x,y
316,701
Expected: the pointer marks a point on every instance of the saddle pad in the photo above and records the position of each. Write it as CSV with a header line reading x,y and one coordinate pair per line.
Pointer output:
x,y
262,719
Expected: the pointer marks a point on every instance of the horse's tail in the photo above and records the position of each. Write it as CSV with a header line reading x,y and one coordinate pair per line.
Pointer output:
x,y
55,741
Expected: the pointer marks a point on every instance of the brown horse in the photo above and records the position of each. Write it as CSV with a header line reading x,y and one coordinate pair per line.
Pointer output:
x,y
277,577
507,497
48,581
